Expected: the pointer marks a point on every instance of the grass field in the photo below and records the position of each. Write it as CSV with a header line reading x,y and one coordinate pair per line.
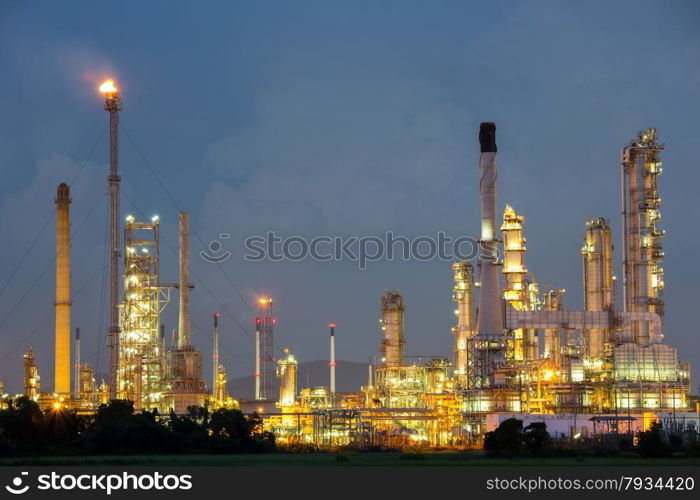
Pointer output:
x,y
344,460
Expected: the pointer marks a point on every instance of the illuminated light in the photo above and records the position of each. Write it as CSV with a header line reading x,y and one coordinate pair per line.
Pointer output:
x,y
155,218
331,325
57,405
577,435
108,87
130,218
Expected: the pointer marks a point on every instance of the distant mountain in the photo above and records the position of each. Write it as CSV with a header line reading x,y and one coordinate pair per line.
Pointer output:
x,y
349,376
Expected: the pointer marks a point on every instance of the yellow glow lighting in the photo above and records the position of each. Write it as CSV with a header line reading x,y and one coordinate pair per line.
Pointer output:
x,y
108,87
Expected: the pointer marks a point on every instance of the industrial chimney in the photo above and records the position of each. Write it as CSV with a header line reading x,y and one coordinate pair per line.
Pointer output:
x,y
332,360
490,320
183,335
62,304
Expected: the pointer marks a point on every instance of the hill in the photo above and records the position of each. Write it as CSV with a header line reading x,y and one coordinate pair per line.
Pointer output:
x,y
349,376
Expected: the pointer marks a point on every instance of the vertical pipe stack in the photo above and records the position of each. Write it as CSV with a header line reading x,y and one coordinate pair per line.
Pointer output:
x,y
462,294
517,288
264,355
76,368
392,346
643,278
490,321
553,301
183,338
257,365
113,104
62,304
215,360
597,279
332,360
287,374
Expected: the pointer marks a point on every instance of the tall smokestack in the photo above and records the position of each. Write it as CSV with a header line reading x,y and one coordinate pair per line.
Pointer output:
x,y
76,368
257,365
490,320
62,304
332,361
113,104
215,359
264,354
183,336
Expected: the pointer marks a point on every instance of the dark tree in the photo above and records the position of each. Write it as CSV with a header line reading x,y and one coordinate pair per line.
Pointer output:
x,y
507,439
652,443
537,438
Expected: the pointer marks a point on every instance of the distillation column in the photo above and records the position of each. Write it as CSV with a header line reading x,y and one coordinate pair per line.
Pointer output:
x,y
287,374
393,343
642,249
63,303
553,301
264,354
463,296
598,285
31,375
519,291
113,104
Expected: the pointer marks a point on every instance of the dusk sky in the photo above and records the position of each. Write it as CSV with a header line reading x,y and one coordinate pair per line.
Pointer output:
x,y
339,119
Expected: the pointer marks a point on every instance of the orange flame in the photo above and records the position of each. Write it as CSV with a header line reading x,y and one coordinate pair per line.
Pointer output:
x,y
108,87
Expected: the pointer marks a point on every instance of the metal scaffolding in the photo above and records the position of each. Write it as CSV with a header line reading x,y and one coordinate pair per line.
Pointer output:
x,y
141,360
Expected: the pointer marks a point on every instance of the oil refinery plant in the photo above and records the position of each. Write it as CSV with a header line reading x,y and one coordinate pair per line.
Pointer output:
x,y
518,351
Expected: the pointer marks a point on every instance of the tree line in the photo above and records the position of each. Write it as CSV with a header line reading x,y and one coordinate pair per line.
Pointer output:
x,y
512,439
116,428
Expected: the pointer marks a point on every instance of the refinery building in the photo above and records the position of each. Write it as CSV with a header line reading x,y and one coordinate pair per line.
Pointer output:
x,y
519,349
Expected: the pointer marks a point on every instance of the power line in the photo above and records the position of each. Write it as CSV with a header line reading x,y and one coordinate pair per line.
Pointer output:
x,y
194,230
83,287
177,206
196,277
50,218
201,282
41,275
